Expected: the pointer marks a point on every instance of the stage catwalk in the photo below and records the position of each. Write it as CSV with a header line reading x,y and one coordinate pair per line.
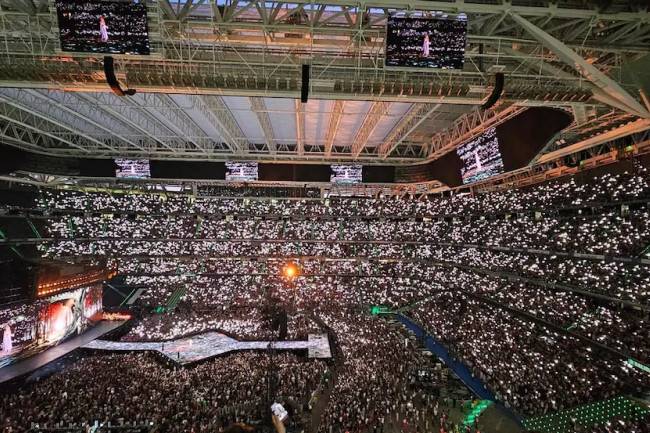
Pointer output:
x,y
198,347
40,359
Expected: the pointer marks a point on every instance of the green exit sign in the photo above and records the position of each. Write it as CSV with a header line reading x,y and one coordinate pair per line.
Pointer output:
x,y
379,309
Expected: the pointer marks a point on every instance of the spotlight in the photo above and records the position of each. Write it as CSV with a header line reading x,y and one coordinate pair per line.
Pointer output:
x,y
291,270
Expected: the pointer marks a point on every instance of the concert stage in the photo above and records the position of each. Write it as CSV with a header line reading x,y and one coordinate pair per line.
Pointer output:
x,y
31,363
199,347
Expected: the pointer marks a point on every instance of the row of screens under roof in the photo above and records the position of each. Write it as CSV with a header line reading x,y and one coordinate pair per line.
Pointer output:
x,y
480,159
241,171
120,27
471,163
507,147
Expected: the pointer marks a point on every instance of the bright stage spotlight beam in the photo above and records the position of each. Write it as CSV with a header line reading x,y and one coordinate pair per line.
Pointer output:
x,y
291,271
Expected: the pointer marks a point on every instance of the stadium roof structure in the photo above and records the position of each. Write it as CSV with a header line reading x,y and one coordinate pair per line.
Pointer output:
x,y
223,81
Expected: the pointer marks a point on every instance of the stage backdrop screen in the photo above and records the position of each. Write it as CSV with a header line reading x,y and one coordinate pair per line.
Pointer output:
x,y
242,171
133,168
480,157
345,173
33,327
117,27
426,42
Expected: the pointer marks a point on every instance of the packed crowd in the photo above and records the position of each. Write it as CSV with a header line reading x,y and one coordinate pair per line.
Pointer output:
x,y
447,259
524,233
621,426
616,279
374,386
261,191
530,367
207,292
214,284
626,331
243,324
137,388
177,324
601,190
619,279
603,233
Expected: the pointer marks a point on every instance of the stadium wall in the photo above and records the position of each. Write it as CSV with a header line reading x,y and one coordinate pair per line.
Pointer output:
x,y
524,136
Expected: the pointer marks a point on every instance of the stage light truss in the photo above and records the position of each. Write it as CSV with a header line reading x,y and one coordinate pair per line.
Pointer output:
x,y
332,129
256,48
164,126
417,114
209,49
158,125
468,126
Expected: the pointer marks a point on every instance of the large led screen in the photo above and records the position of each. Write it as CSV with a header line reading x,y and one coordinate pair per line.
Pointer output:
x,y
480,157
426,42
241,171
345,173
133,168
31,328
117,27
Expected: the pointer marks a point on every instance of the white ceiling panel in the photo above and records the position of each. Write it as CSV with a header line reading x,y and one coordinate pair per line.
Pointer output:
x,y
246,119
203,121
81,106
388,122
195,124
354,112
317,117
155,114
283,118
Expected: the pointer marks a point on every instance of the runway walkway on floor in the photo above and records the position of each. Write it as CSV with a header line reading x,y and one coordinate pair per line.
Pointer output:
x,y
38,360
196,348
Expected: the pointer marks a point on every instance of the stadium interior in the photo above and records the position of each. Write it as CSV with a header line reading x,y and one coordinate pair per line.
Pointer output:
x,y
325,216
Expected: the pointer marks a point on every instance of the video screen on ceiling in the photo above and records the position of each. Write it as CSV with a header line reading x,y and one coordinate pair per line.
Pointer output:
x,y
345,173
114,27
241,171
133,168
480,157
426,42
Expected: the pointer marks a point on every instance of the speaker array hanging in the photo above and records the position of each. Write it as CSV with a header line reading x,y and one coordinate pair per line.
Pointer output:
x,y
111,79
499,80
304,89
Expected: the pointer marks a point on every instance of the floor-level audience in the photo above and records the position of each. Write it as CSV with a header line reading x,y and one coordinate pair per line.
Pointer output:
x,y
137,388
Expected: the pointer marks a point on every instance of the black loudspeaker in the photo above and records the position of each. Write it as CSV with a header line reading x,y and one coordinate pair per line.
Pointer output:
x,y
304,89
496,92
11,160
111,79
